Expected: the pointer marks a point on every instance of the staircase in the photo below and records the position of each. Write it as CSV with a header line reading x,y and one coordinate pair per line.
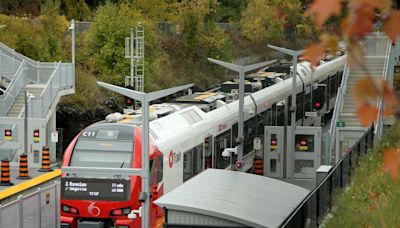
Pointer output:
x,y
375,66
18,105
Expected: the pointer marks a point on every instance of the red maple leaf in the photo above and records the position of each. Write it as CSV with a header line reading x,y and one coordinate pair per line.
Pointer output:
x,y
367,114
323,9
381,4
360,20
392,27
391,162
313,53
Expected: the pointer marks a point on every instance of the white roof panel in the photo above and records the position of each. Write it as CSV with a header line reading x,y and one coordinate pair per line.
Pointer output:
x,y
247,199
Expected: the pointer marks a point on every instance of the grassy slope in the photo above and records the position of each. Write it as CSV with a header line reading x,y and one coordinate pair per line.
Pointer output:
x,y
353,208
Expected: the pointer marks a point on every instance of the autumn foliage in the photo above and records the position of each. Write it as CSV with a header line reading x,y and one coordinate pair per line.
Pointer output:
x,y
357,18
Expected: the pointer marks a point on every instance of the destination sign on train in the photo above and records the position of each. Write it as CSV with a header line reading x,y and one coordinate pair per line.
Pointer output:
x,y
95,189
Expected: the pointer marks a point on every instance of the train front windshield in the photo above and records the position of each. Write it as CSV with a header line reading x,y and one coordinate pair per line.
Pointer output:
x,y
109,146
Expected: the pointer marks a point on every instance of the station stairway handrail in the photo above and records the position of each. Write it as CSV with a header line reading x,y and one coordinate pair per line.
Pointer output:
x,y
337,110
387,74
11,92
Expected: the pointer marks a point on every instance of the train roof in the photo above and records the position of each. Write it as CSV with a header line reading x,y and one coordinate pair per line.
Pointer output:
x,y
168,119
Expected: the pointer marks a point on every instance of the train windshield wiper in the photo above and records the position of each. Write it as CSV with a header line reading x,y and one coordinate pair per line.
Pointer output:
x,y
122,165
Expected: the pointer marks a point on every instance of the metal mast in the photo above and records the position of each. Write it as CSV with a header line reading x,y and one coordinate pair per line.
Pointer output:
x,y
134,50
139,60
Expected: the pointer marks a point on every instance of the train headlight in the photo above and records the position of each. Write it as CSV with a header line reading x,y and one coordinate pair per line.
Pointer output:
x,y
121,211
68,209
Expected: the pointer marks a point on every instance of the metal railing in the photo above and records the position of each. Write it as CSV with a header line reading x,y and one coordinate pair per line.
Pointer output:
x,y
386,71
61,78
374,47
40,209
318,203
337,110
8,66
15,55
15,86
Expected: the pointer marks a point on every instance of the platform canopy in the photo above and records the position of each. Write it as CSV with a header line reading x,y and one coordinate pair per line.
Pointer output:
x,y
232,199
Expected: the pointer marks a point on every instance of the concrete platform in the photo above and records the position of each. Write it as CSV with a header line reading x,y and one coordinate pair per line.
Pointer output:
x,y
26,186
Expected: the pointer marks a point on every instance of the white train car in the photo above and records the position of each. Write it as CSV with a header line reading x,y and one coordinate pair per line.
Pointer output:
x,y
184,140
192,140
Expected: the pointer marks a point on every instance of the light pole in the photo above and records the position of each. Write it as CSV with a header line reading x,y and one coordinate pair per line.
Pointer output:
x,y
241,70
73,44
145,99
295,55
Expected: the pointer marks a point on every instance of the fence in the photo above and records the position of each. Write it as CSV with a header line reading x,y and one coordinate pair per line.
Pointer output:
x,y
316,205
38,209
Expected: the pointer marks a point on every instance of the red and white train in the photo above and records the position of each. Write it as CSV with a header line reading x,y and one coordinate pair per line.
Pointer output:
x,y
184,141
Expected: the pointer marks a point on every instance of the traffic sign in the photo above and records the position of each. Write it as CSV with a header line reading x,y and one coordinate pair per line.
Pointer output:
x,y
340,124
257,143
54,136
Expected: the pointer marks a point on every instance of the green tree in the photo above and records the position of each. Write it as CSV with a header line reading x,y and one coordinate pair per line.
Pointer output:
x,y
76,9
261,22
191,33
40,38
230,10
106,41
157,10
275,21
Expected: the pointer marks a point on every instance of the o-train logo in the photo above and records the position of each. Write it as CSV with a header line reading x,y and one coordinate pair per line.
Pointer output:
x,y
173,157
94,210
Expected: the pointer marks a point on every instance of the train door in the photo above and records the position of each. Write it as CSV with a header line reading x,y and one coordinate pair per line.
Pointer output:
x,y
273,151
208,157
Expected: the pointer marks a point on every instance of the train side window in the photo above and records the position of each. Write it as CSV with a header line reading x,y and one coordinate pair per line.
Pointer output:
x,y
152,172
160,168
261,122
332,86
249,134
187,164
192,162
207,150
268,117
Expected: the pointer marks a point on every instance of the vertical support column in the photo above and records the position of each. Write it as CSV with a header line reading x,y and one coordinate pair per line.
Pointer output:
x,y
26,124
73,44
145,163
291,154
241,119
132,57
285,139
20,211
1,67
57,204
1,216
50,127
39,208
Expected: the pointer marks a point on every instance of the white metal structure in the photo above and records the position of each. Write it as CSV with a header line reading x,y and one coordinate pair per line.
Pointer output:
x,y
221,198
45,83
134,50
